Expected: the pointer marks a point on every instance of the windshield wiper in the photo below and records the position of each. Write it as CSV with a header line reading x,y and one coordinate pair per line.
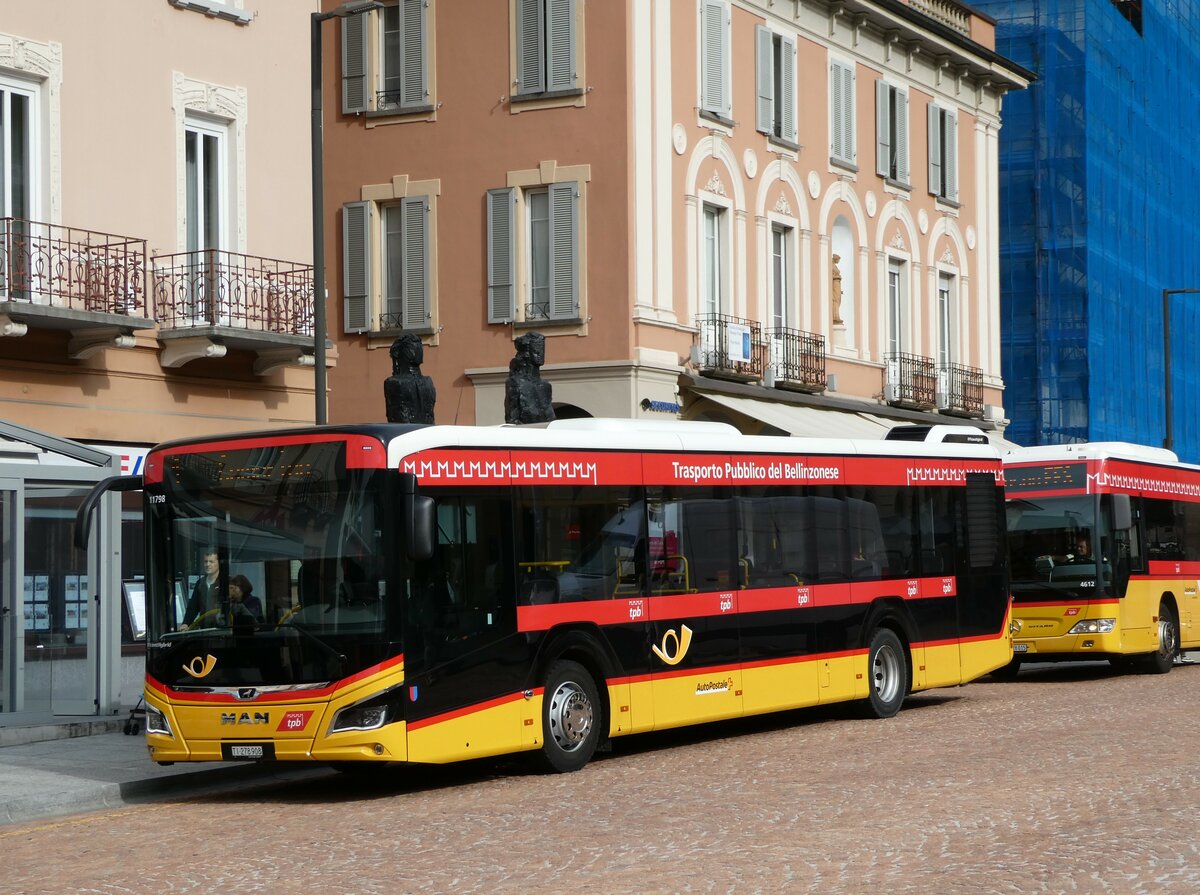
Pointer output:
x,y
341,657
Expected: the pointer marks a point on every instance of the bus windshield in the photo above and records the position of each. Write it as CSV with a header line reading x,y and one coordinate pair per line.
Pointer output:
x,y
1053,548
269,560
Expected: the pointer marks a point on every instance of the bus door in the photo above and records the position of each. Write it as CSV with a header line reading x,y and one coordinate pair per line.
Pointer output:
x,y
693,607
982,585
464,662
776,557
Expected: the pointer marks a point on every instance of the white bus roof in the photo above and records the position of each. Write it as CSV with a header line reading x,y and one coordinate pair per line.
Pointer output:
x,y
664,435
1095,450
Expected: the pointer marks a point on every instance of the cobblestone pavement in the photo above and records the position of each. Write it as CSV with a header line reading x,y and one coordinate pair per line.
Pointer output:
x,y
1072,779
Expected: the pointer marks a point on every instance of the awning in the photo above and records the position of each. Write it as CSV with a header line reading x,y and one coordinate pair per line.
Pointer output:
x,y
813,422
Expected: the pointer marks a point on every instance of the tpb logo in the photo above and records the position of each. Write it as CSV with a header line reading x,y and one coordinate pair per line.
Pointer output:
x,y
294,721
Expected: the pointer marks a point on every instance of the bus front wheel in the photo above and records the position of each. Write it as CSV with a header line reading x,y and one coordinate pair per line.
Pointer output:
x,y
571,716
887,666
1161,660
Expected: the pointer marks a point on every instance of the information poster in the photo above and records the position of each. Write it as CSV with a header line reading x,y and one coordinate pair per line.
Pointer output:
x,y
41,602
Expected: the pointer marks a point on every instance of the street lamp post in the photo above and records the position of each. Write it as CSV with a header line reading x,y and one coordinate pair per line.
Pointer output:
x,y
1168,437
318,199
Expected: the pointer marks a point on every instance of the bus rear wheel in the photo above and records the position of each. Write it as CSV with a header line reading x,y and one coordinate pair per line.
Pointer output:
x,y
571,716
1008,672
1161,660
887,666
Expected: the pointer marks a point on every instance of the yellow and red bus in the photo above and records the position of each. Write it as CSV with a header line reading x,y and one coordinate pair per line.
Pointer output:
x,y
1104,551
431,594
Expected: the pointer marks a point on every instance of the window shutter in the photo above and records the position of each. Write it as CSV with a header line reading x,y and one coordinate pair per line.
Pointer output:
x,y
502,254
837,137
414,314
951,127
354,63
414,88
531,73
356,266
787,63
935,150
560,38
848,105
564,251
883,135
901,136
714,58
764,77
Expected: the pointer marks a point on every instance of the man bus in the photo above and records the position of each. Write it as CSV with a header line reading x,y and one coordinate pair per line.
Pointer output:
x,y
1104,547
439,593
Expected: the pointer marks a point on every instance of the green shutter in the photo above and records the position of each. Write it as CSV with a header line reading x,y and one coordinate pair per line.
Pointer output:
x,y
714,58
883,130
787,77
935,150
502,254
355,96
531,72
415,310
356,266
414,88
951,130
901,136
764,80
560,40
564,251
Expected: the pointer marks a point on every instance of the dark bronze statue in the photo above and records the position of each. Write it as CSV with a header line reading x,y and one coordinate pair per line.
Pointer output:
x,y
409,395
526,394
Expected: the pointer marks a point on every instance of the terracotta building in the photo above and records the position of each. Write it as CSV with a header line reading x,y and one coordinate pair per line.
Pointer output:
x,y
782,214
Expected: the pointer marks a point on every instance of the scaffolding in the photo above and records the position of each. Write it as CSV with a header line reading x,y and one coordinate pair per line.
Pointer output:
x,y
1100,212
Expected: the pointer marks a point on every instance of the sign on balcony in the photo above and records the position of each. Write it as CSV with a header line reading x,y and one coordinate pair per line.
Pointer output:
x,y
740,345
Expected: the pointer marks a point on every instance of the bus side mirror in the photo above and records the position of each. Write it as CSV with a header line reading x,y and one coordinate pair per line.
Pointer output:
x,y
1122,512
419,517
421,526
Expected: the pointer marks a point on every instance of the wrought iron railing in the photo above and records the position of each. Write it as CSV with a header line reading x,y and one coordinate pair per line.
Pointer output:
x,y
66,267
216,288
960,390
796,358
730,347
911,381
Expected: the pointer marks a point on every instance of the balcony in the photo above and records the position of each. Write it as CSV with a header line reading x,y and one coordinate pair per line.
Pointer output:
x,y
55,277
910,381
208,301
796,359
729,348
953,15
960,390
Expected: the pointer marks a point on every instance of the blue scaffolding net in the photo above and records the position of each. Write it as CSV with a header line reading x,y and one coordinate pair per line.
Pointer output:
x,y
1100,213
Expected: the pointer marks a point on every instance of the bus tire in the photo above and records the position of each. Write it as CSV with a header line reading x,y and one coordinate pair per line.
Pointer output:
x,y
571,714
887,667
1161,660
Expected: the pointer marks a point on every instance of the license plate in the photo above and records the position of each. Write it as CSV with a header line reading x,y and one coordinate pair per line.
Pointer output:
x,y
247,751
1020,647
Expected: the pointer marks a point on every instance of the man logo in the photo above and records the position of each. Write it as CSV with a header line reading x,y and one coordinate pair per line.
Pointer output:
x,y
682,641
199,668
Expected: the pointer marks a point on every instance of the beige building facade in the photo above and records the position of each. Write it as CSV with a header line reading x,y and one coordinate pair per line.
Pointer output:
x,y
781,214
155,283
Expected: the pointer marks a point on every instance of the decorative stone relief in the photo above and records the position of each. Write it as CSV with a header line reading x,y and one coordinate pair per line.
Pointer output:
x,y
750,162
923,221
679,139
814,184
43,64
869,201
898,242
947,257
782,206
715,185
971,237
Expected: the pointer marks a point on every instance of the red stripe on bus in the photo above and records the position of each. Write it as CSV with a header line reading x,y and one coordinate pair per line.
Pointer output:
x,y
468,710
1166,568
276,696
668,607
464,466
362,451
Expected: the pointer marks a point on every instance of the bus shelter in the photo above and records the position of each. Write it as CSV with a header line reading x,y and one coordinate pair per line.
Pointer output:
x,y
60,633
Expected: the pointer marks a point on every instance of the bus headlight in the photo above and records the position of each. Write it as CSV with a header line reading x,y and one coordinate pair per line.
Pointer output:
x,y
1094,626
370,714
156,722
